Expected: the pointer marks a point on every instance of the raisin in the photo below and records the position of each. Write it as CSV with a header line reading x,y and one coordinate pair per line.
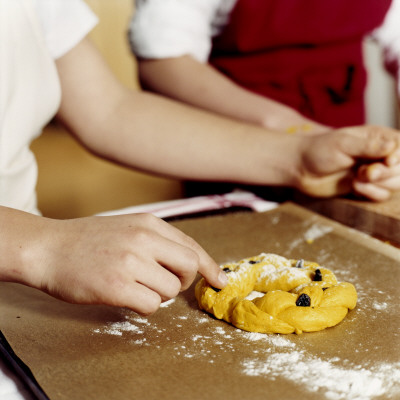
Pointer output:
x,y
324,288
318,275
300,263
303,301
253,262
227,270
215,289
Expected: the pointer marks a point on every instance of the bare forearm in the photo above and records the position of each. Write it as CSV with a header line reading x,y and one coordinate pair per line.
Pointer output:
x,y
160,136
200,85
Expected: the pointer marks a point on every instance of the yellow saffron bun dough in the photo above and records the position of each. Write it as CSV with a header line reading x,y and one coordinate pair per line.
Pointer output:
x,y
291,296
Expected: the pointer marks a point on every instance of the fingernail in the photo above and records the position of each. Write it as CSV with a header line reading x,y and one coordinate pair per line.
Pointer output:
x,y
223,278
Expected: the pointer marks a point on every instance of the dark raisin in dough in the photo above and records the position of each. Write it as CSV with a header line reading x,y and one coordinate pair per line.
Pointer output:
x,y
303,300
318,275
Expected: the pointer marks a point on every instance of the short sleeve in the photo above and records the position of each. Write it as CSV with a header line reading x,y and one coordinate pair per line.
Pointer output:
x,y
65,23
171,28
388,37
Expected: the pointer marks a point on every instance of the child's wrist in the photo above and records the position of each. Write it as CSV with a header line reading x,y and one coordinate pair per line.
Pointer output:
x,y
20,247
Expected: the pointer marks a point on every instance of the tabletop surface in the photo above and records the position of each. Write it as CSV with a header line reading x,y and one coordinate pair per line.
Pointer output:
x,y
381,219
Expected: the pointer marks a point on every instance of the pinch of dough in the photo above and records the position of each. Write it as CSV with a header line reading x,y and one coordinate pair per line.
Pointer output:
x,y
283,283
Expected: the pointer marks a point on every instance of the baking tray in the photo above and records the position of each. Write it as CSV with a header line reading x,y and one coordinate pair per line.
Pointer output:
x,y
180,352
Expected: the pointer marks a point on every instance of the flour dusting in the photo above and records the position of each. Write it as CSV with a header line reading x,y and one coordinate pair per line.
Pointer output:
x,y
269,356
118,328
317,375
167,303
380,306
254,295
273,357
316,231
273,340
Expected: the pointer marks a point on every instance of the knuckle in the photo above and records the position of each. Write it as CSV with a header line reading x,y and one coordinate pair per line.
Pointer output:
x,y
191,243
127,259
174,287
142,236
147,218
191,260
377,135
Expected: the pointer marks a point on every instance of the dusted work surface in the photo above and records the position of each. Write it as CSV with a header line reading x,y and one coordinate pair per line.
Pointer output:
x,y
379,219
93,352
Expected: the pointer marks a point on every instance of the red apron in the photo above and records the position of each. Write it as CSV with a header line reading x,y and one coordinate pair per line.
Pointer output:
x,y
306,54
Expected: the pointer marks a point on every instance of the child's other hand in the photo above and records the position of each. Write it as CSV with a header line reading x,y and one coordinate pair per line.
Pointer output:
x,y
377,181
328,160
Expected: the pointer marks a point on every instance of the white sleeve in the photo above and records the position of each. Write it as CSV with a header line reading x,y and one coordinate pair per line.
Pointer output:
x,y
65,23
172,28
388,37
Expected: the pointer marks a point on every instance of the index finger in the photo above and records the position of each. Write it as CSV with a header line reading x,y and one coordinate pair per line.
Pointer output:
x,y
207,267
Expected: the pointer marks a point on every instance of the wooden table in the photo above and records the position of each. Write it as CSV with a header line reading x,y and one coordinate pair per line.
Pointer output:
x,y
381,220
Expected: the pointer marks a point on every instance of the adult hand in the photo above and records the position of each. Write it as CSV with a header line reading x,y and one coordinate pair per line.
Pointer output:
x,y
362,159
134,261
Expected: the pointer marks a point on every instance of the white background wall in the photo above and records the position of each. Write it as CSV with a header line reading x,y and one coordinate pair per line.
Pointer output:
x,y
382,108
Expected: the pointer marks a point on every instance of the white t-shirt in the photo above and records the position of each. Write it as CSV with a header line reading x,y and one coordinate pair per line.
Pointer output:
x,y
32,34
172,28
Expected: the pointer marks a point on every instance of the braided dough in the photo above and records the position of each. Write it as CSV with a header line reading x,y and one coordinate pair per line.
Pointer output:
x,y
300,296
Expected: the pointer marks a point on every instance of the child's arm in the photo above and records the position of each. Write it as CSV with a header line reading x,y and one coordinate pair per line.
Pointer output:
x,y
158,135
134,261
192,82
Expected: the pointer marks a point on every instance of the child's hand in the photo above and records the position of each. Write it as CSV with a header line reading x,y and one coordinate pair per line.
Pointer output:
x,y
378,181
328,161
134,261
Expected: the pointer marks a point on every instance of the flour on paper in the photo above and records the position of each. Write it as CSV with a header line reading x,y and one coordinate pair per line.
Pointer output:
x,y
167,303
324,376
316,231
272,357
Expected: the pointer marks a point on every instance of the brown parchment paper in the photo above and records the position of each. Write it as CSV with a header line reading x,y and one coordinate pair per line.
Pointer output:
x,y
94,352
